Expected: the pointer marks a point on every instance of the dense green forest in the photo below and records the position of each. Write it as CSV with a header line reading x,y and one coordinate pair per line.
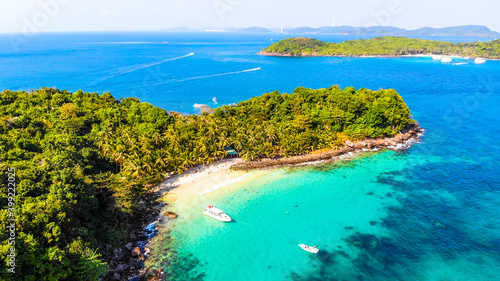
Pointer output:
x,y
82,159
382,46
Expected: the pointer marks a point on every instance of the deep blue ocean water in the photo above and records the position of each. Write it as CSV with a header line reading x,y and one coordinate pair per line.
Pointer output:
x,y
438,217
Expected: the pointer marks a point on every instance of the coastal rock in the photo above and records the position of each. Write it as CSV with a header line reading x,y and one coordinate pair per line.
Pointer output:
x,y
129,246
118,255
136,252
119,268
153,275
349,143
117,276
171,215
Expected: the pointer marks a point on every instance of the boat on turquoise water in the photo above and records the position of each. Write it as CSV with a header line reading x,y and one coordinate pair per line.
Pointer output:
x,y
215,100
217,214
437,57
198,105
479,60
309,249
446,59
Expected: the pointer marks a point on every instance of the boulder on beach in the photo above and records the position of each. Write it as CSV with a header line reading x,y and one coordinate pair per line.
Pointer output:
x,y
118,255
153,275
120,268
171,215
349,143
136,252
129,246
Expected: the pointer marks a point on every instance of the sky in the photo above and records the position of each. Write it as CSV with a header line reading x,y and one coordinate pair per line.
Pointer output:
x,y
153,15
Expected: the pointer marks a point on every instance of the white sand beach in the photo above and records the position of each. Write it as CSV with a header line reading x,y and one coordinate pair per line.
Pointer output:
x,y
204,180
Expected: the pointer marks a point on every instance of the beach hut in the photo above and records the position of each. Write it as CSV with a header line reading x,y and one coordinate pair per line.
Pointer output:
x,y
231,153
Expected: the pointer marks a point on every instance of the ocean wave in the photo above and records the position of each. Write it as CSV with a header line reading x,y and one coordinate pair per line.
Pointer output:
x,y
226,183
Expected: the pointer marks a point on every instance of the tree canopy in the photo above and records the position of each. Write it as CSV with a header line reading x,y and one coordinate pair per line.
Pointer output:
x,y
382,46
82,159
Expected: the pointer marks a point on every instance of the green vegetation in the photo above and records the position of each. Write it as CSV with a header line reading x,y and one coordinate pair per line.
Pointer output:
x,y
382,46
82,159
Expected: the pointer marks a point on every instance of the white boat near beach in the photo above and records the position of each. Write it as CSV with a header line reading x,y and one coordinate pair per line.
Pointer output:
x,y
198,105
309,249
479,60
446,59
437,57
217,214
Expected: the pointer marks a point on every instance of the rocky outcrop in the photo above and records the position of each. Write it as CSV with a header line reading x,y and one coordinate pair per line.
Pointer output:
x,y
171,215
153,275
403,140
136,252
127,262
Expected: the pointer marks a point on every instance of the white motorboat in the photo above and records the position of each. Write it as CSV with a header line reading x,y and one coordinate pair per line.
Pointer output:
x,y
198,105
216,213
437,57
309,249
446,59
215,100
479,60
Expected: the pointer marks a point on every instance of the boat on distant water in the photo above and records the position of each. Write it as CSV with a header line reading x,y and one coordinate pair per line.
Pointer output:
x,y
437,57
479,60
217,214
215,99
309,249
199,105
446,59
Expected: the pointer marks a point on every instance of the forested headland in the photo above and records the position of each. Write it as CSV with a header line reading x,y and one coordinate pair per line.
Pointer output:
x,y
381,46
82,159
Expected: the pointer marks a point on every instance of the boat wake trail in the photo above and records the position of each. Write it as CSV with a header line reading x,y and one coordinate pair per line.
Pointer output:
x,y
131,68
204,76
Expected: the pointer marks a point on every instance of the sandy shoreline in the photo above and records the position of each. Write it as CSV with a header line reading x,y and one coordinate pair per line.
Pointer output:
x,y
205,179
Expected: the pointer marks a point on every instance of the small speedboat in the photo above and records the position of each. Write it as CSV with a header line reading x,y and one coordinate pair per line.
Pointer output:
x,y
215,100
309,249
446,59
479,60
217,214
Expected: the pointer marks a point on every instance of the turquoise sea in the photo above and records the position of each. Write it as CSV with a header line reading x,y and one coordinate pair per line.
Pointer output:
x,y
429,213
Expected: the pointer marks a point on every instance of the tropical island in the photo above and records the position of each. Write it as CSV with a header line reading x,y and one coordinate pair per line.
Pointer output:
x,y
381,46
84,163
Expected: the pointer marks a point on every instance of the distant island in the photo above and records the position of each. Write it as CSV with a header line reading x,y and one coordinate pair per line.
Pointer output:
x,y
381,46
85,162
464,30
